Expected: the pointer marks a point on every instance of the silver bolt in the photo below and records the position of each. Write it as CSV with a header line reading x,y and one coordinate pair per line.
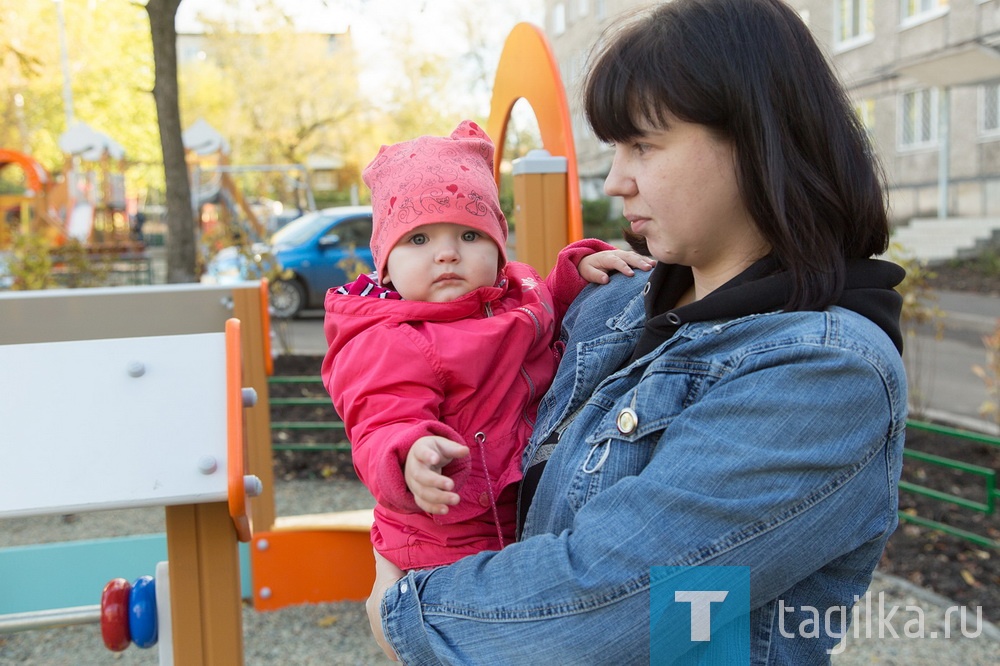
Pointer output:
x,y
252,485
249,397
207,465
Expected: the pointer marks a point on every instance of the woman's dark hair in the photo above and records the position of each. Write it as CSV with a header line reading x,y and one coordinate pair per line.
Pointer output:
x,y
751,72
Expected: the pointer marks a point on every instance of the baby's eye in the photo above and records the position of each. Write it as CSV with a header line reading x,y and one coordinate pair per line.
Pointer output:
x,y
418,239
470,236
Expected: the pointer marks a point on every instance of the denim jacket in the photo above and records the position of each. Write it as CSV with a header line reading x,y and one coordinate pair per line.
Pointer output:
x,y
772,441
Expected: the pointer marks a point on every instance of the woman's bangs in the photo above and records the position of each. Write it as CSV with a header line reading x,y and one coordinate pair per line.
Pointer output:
x,y
626,93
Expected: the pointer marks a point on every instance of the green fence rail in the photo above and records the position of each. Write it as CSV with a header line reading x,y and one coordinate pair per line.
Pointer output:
x,y
987,505
333,424
988,476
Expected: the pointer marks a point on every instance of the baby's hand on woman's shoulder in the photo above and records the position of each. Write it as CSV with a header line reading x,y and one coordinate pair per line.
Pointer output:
x,y
596,267
432,490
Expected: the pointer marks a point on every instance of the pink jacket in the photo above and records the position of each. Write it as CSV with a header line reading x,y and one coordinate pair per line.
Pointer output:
x,y
472,370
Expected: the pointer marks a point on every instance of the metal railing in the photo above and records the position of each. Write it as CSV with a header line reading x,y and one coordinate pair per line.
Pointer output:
x,y
332,425
989,493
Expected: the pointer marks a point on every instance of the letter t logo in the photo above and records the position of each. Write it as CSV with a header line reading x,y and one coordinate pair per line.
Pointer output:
x,y
701,610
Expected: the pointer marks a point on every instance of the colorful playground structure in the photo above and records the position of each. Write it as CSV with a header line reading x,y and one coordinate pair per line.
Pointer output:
x,y
170,442
86,202
218,199
86,199
188,437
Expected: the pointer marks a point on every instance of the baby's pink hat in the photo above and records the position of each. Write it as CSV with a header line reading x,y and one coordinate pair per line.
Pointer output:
x,y
434,179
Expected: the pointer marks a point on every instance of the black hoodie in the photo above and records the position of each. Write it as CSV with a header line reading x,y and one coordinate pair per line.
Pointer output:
x,y
868,291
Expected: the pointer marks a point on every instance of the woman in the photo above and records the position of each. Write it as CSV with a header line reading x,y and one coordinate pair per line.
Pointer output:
x,y
745,409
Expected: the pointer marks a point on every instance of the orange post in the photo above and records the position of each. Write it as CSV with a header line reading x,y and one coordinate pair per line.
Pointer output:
x,y
528,70
250,308
540,209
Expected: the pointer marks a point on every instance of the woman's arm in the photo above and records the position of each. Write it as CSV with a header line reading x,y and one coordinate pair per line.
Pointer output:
x,y
750,475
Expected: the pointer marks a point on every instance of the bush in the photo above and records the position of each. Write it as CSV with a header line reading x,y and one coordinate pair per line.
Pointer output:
x,y
597,222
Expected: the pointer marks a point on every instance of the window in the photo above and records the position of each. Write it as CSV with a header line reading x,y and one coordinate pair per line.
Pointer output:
x,y
559,19
918,113
601,10
865,109
915,11
854,22
989,109
352,233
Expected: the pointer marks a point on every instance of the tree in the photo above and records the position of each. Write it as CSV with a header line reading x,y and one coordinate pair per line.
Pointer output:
x,y
110,67
280,93
181,251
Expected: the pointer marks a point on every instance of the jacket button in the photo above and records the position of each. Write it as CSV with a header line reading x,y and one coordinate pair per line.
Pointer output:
x,y
627,420
484,500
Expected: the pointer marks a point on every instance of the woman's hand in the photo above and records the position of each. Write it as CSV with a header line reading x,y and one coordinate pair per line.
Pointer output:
x,y
432,490
596,267
386,575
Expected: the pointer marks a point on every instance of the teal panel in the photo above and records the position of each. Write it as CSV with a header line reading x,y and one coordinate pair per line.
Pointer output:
x,y
246,585
73,573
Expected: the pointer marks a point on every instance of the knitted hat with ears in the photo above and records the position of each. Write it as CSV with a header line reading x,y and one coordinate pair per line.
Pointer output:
x,y
434,179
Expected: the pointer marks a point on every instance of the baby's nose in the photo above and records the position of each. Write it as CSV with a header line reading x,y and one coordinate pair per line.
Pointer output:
x,y
447,252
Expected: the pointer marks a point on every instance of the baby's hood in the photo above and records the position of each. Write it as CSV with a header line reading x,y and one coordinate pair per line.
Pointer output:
x,y
362,306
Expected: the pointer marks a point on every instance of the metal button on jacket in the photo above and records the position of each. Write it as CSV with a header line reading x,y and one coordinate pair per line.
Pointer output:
x,y
627,420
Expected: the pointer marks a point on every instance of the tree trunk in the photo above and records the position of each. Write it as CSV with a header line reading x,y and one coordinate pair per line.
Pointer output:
x,y
181,225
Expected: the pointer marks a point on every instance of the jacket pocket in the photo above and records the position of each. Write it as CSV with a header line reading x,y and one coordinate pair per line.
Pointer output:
x,y
495,464
622,439
610,455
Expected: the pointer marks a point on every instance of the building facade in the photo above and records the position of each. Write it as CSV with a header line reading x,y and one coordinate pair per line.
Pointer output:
x,y
924,76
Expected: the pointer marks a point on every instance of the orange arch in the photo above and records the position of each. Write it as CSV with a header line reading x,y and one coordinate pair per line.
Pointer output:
x,y
34,173
528,70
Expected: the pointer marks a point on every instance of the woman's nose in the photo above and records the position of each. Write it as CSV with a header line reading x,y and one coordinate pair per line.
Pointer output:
x,y
619,183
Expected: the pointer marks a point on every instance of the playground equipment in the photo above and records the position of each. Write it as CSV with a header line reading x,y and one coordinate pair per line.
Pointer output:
x,y
548,211
31,211
91,195
172,442
208,155
153,354
86,203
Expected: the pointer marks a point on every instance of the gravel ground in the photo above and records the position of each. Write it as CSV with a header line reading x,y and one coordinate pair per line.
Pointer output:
x,y
338,633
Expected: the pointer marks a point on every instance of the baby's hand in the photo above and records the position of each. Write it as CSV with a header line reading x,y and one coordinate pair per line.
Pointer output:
x,y
431,489
597,266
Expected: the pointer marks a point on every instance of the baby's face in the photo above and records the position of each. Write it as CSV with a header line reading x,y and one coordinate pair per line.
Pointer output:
x,y
442,261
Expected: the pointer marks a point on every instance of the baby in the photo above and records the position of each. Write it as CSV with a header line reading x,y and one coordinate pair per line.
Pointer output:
x,y
445,351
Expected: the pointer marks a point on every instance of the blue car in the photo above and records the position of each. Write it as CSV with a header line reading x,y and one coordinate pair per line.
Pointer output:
x,y
319,250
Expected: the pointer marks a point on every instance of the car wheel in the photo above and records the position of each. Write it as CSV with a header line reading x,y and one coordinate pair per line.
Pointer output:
x,y
287,298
